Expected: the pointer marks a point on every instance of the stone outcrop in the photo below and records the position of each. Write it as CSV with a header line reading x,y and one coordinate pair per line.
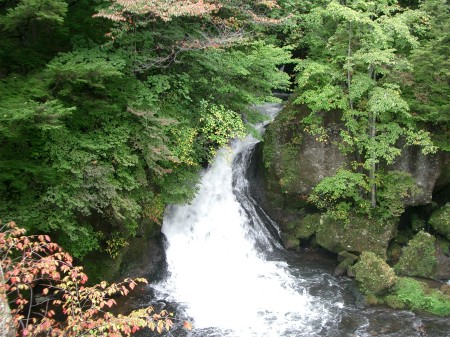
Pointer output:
x,y
144,256
428,171
358,235
418,257
440,221
291,162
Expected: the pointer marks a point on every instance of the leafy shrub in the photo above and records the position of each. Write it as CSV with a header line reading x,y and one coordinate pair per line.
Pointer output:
x,y
34,269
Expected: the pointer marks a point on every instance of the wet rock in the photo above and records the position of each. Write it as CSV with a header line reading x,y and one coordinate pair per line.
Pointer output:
x,y
144,256
342,267
289,241
344,255
358,235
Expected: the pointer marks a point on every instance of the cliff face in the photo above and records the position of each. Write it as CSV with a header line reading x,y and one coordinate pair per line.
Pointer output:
x,y
290,162
295,162
428,171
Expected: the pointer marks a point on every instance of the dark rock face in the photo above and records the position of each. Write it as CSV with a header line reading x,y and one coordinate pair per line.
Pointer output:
x,y
443,264
293,162
425,169
144,257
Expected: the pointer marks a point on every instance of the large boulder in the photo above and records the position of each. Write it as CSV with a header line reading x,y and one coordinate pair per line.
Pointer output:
x,y
418,257
359,234
295,161
430,172
373,274
143,256
440,220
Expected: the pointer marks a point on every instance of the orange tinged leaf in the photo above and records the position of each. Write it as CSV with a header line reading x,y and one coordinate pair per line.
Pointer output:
x,y
187,325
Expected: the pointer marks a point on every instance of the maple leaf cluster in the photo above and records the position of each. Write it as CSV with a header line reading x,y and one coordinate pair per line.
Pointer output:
x,y
48,295
121,10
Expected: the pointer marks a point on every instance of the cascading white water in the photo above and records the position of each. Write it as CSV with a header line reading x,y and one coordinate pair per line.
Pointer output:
x,y
216,271
227,273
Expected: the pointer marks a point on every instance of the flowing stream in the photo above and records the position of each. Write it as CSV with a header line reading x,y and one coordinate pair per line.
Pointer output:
x,y
228,274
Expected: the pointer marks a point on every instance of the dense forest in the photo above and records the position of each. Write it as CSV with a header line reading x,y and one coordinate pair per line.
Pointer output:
x,y
109,109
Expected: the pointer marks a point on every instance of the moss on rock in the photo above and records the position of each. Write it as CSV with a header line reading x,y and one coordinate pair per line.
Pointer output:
x,y
373,274
418,257
358,235
440,220
417,296
305,227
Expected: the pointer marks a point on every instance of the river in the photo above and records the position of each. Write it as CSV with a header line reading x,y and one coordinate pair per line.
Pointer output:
x,y
228,274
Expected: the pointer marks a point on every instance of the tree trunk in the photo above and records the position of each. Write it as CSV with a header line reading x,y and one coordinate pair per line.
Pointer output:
x,y
7,328
373,131
373,188
349,72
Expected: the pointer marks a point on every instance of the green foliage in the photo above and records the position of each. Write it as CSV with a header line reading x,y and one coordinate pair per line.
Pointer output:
x,y
394,188
416,296
356,50
427,88
341,193
99,133
373,274
419,257
219,126
34,11
114,245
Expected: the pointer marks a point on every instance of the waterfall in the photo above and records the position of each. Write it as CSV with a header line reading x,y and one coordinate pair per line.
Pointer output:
x,y
216,270
229,276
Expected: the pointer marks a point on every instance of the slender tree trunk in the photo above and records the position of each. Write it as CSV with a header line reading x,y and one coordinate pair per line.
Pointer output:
x,y
373,188
349,71
7,328
373,131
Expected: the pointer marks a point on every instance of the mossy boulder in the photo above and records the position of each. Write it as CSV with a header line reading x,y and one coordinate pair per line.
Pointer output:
x,y
143,256
373,274
305,227
290,241
358,234
300,229
418,257
417,296
343,266
440,220
294,161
